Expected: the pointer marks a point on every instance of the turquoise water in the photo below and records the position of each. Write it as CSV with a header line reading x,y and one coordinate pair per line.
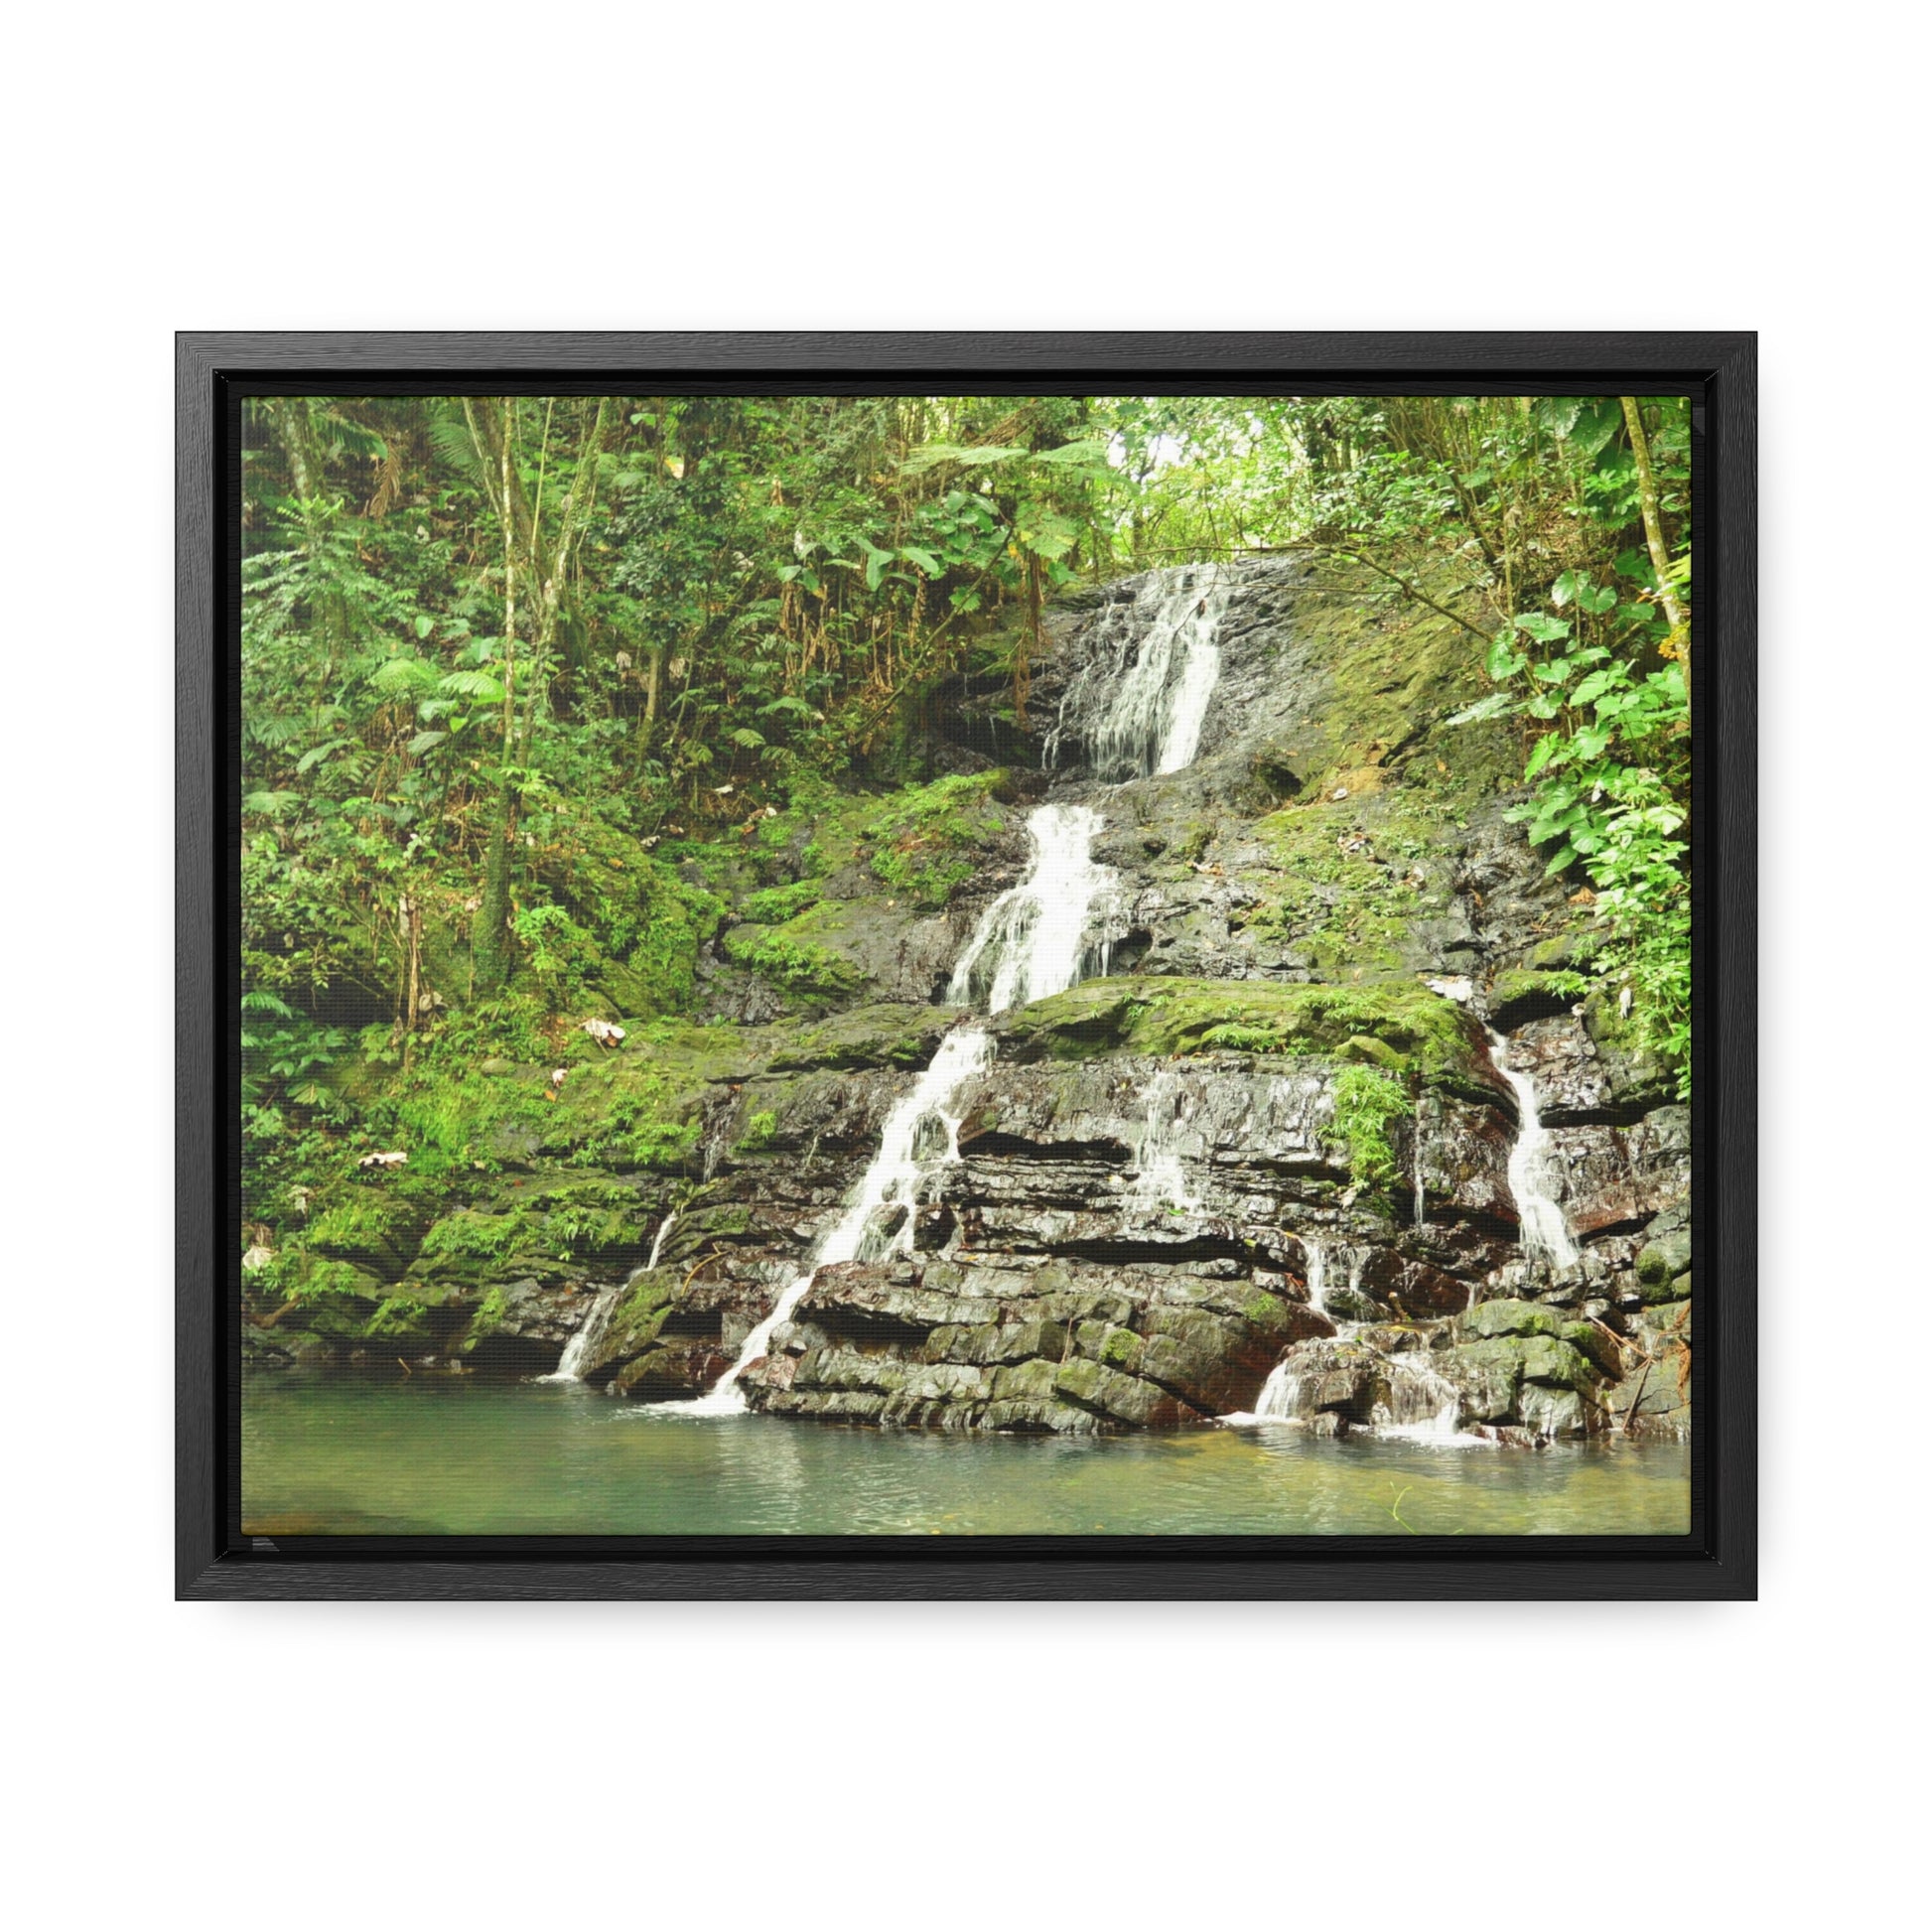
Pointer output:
x,y
340,1455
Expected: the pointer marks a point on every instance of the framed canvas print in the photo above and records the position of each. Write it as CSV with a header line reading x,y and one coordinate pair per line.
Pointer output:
x,y
1009,965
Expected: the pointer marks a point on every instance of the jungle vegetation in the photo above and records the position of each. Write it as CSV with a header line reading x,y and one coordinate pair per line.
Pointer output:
x,y
510,663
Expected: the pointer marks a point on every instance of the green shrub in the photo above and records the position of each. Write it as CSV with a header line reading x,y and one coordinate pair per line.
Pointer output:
x,y
1366,1103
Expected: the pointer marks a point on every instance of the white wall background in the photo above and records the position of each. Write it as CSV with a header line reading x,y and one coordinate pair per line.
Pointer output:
x,y
984,165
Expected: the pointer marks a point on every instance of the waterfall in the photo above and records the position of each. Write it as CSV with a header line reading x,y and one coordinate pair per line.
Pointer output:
x,y
1147,718
1532,1172
657,1247
1317,1273
595,1325
1357,1262
1422,1407
1032,940
1280,1399
898,1170
1161,1176
590,1332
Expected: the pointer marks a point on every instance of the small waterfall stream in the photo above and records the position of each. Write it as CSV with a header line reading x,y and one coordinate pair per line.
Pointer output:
x,y
899,1172
1142,718
596,1324
1161,1178
1032,941
1532,1172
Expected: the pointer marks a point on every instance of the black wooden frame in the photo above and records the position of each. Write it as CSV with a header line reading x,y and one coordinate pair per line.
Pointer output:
x,y
1717,1560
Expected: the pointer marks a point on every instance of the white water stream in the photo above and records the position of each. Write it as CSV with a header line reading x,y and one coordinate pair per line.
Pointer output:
x,y
1161,1176
1146,717
906,1161
1038,937
596,1324
1532,1172
1032,941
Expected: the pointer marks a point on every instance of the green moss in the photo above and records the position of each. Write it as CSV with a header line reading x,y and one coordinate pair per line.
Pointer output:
x,y
1386,664
1352,879
778,903
918,840
638,925
1427,1035
1265,1310
791,962
1518,983
872,1035
468,1235
399,1319
572,1220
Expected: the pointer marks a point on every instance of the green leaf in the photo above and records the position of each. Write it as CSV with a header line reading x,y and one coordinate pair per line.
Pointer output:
x,y
1092,451
1565,588
1546,631
1504,661
1496,705
925,560
937,452
423,741
473,684
395,676
424,625
1566,855
1540,755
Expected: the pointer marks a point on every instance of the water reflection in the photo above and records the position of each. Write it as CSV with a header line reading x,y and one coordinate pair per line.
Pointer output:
x,y
324,1454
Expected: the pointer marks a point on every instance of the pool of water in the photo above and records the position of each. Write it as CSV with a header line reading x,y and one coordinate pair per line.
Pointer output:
x,y
337,1456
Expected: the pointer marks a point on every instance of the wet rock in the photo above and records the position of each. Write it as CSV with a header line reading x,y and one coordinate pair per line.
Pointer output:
x,y
1492,1319
1666,1257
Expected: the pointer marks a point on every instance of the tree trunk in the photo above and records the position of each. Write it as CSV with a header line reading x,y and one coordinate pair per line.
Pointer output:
x,y
491,942
1653,531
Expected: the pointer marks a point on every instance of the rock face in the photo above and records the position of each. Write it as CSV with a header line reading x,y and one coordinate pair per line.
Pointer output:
x,y
1165,1188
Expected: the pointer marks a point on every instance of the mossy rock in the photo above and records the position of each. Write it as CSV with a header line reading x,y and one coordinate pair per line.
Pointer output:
x,y
334,1299
1602,1348
1491,1321
400,1320
865,1036
1398,1026
1521,994
376,1228
1663,1259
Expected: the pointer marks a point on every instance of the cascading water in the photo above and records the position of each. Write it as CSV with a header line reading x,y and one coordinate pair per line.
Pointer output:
x,y
899,1170
1143,718
1032,941
1532,1172
1161,1179
596,1324
1423,1407
1317,1274
1280,1399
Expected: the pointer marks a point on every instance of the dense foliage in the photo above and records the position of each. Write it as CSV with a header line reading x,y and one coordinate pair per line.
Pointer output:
x,y
511,664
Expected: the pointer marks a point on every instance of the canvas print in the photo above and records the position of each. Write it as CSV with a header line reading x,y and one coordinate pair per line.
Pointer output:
x,y
912,965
